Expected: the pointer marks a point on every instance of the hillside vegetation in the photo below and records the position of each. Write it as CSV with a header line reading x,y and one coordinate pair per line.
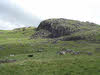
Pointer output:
x,y
36,51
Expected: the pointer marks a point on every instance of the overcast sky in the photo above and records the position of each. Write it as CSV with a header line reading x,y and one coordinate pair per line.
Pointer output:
x,y
20,13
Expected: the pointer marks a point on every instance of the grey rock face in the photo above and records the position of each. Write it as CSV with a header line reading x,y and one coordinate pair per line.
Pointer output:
x,y
57,27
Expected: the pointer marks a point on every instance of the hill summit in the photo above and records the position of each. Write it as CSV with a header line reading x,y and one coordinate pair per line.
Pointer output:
x,y
71,29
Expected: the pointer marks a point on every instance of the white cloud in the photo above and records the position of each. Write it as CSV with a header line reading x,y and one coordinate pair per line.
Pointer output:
x,y
12,16
84,10
9,26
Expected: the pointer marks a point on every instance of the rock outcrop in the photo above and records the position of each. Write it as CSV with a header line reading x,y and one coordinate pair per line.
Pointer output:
x,y
54,28
58,27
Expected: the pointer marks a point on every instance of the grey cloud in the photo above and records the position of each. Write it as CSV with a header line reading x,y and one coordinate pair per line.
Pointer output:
x,y
16,15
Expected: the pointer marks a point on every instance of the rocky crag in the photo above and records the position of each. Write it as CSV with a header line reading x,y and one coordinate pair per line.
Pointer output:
x,y
66,29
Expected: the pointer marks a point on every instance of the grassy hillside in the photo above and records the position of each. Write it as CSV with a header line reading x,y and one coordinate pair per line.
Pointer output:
x,y
45,60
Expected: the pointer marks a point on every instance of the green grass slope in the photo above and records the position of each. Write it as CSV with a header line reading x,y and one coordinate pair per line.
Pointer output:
x,y
46,62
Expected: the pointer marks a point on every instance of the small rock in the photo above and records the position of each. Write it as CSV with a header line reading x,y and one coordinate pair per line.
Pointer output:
x,y
30,55
61,52
76,53
1,48
89,53
69,51
7,61
12,55
40,50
